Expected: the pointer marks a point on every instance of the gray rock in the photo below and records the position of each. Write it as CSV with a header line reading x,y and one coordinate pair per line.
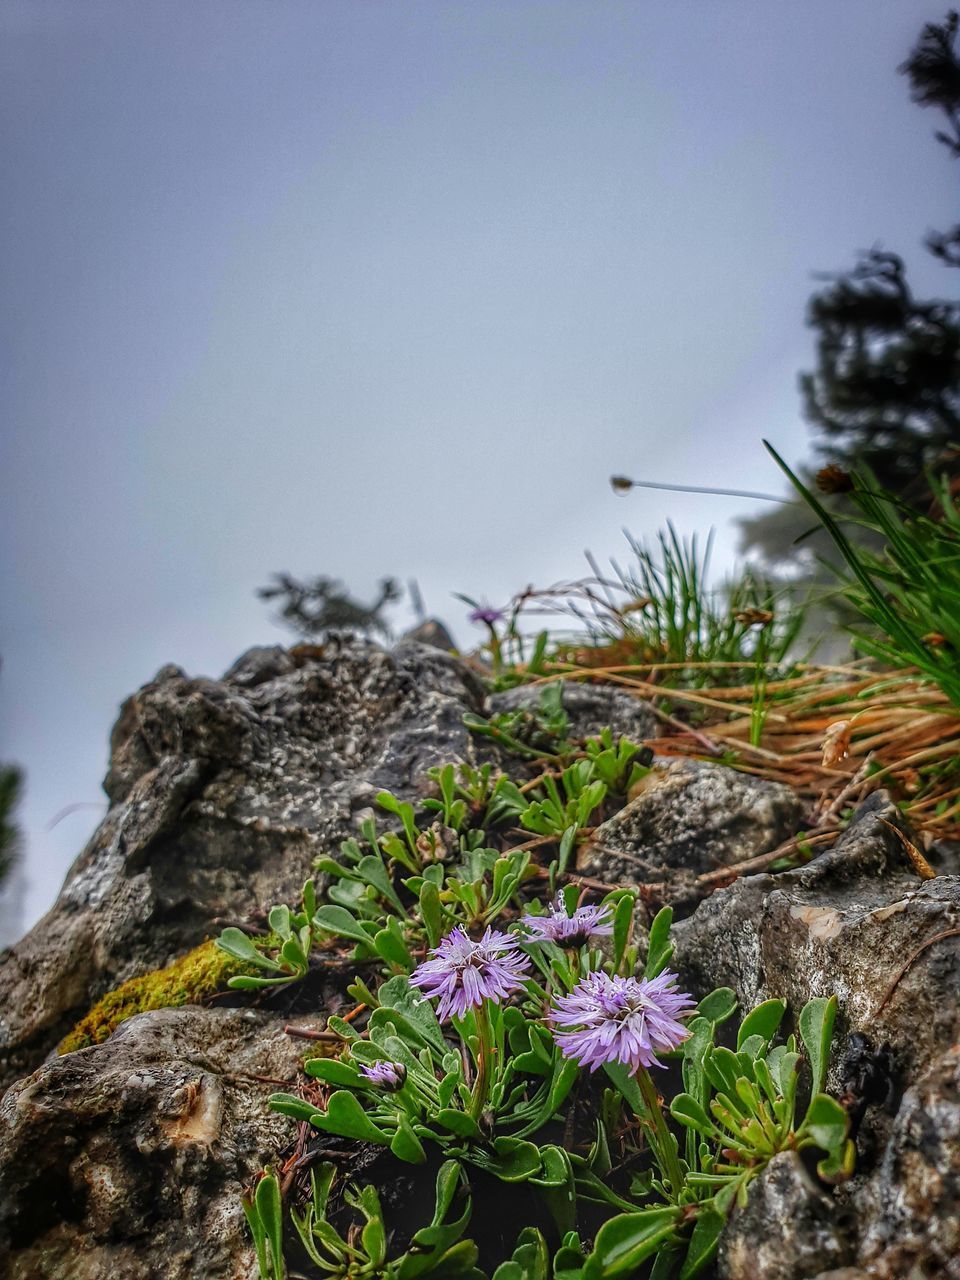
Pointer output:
x,y
852,923
915,1196
690,817
432,632
591,707
788,1230
128,1159
222,794
844,924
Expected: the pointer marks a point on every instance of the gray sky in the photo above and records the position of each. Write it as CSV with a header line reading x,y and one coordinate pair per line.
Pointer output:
x,y
370,288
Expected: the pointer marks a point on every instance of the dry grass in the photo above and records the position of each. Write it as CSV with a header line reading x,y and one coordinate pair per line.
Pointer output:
x,y
886,728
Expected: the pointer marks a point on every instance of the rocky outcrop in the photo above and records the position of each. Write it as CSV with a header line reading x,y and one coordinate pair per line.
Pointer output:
x,y
688,818
853,922
127,1158
223,792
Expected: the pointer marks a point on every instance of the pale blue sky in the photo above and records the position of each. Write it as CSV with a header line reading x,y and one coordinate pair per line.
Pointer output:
x,y
368,288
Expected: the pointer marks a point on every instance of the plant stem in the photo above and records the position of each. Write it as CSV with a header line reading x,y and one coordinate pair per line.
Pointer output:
x,y
484,1056
661,1138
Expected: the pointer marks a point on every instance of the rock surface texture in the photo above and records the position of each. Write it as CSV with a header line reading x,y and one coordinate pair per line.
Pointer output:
x,y
126,1159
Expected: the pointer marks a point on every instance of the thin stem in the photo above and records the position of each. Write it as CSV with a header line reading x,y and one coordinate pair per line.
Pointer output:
x,y
661,1137
484,1056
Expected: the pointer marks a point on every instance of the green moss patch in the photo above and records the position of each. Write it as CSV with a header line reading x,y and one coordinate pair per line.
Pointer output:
x,y
199,973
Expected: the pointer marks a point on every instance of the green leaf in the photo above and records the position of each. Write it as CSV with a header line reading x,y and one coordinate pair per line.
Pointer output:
x,y
458,1122
390,945
622,927
623,1078
659,948
691,1114
259,1234
405,1144
567,842
333,1071
269,1209
346,1117
296,1108
626,1241
371,868
430,912
718,1006
530,1261
568,1264
762,1021
515,1160
293,954
826,1122
246,982
448,1179
816,1031
279,921
556,1171
703,1242
236,943
414,1015
838,1165
783,1068
339,921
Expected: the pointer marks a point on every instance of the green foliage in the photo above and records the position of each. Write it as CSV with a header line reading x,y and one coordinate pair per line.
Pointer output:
x,y
11,781
907,595
437,1250
482,1121
678,619
537,732
740,1107
487,1094
264,1214
618,765
570,804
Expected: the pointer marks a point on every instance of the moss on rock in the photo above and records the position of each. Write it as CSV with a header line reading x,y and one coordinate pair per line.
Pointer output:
x,y
201,972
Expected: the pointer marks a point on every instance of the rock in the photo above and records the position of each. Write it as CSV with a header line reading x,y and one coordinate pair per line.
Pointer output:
x,y
432,632
223,792
915,1195
851,1273
788,1230
127,1159
690,817
590,707
852,923
844,924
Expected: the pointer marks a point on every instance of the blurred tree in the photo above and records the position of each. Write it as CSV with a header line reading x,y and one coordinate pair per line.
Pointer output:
x,y
323,604
886,387
10,784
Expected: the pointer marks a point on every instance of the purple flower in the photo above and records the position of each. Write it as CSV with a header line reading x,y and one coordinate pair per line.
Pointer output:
x,y
566,930
486,614
626,1020
462,973
385,1075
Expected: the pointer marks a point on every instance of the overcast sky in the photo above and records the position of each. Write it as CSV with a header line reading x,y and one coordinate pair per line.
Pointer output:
x,y
370,288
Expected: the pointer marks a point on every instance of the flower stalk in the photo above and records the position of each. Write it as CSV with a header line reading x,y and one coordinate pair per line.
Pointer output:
x,y
481,1086
661,1139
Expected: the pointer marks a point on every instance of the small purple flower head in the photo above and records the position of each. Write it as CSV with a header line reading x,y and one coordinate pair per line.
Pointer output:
x,y
626,1020
385,1075
486,614
585,924
462,973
